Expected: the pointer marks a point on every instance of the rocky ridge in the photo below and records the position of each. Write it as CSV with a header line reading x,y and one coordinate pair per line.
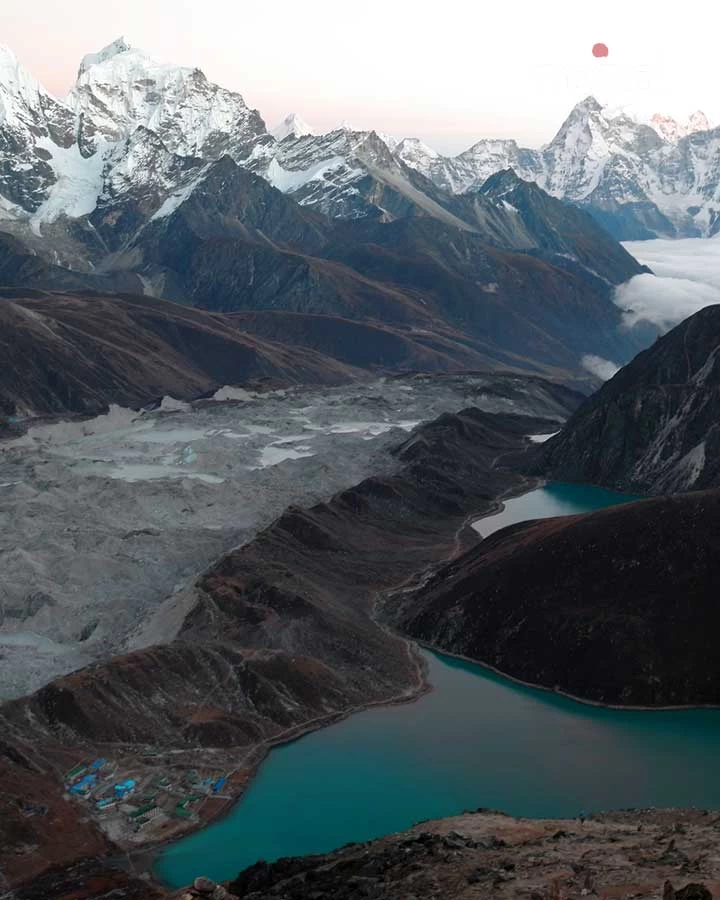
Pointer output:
x,y
653,428
622,603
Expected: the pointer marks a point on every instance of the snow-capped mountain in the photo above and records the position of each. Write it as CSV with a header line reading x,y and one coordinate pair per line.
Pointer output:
x,y
635,181
130,133
347,174
133,133
470,169
121,89
638,180
33,126
80,175
292,126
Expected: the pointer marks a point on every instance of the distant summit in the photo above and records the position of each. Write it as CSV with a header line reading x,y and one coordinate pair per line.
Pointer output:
x,y
672,130
292,126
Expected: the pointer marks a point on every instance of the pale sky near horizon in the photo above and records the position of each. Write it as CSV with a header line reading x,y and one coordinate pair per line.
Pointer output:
x,y
449,73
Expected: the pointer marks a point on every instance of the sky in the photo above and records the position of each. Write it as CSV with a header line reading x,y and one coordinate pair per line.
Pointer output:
x,y
449,73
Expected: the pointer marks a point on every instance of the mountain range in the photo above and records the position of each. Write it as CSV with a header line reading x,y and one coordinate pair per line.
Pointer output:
x,y
135,130
149,179
638,180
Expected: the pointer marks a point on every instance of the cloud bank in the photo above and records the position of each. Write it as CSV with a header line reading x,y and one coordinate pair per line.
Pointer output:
x,y
603,369
686,279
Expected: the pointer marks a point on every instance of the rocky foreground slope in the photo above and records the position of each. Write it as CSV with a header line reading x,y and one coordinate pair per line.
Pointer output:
x,y
644,854
639,854
655,426
617,606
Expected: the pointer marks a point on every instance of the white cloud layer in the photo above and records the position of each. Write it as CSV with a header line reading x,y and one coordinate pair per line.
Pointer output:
x,y
686,279
601,368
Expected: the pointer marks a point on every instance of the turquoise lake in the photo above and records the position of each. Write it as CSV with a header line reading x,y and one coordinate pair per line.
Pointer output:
x,y
475,740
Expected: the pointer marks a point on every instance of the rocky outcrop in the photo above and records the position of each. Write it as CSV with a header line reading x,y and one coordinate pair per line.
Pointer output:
x,y
617,606
654,427
556,231
90,879
646,854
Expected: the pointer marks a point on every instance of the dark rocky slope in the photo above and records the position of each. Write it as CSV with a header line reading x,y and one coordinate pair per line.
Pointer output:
x,y
505,299
618,606
90,879
235,243
280,635
654,427
553,229
644,854
23,267
527,287
370,345
80,352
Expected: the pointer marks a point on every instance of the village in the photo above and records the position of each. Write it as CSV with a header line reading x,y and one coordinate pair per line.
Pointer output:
x,y
129,804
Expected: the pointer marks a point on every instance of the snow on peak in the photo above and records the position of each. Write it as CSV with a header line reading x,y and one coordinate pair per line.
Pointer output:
x,y
15,80
390,141
120,45
292,126
8,60
588,105
672,130
25,104
698,121
121,89
414,147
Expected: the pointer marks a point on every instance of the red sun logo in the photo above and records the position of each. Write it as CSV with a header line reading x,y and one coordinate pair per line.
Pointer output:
x,y
600,50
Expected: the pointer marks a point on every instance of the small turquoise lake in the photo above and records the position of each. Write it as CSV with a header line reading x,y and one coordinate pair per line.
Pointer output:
x,y
475,740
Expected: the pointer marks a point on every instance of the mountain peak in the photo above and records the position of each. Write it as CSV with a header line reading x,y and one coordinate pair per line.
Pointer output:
x,y
292,125
414,146
588,105
7,57
698,121
672,130
118,46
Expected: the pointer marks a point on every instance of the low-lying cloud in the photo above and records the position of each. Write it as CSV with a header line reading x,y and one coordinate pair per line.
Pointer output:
x,y
663,301
603,369
686,279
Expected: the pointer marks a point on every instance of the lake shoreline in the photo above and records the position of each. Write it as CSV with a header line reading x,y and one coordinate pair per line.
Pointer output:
x,y
422,687
148,854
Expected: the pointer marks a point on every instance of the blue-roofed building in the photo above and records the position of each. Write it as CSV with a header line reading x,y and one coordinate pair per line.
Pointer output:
x,y
98,764
125,788
84,785
219,785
